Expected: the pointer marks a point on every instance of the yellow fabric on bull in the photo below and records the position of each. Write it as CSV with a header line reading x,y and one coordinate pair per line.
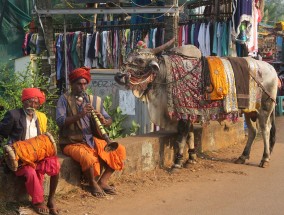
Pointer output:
x,y
88,156
34,149
218,78
42,121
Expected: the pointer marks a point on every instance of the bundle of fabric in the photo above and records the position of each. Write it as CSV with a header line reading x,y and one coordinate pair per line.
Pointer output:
x,y
248,94
219,84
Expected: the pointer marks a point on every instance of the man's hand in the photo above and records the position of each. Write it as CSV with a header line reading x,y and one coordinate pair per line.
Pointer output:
x,y
89,109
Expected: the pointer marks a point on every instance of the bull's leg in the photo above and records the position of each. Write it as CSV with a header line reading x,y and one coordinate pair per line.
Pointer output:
x,y
192,157
251,137
181,140
265,126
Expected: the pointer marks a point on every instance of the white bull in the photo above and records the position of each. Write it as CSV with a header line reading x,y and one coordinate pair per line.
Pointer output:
x,y
145,73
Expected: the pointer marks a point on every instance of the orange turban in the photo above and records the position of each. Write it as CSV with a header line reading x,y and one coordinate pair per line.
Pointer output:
x,y
29,93
83,72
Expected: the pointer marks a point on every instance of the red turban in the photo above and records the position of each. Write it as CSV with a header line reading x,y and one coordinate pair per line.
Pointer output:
x,y
29,93
83,72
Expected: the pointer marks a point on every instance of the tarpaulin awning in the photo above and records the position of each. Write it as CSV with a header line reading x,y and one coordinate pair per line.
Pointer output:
x,y
12,29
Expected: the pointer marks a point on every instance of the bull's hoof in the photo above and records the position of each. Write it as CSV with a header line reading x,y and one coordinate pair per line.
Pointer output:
x,y
176,168
240,160
189,163
264,164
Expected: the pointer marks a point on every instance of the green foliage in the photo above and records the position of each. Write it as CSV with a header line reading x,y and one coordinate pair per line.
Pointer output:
x,y
12,84
116,130
273,11
134,128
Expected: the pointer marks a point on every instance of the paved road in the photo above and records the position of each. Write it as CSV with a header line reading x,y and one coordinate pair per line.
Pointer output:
x,y
243,189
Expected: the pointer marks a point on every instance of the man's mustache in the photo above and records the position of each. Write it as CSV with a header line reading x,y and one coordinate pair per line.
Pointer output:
x,y
30,108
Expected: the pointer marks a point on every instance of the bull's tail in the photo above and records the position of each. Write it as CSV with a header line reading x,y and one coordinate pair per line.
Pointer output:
x,y
272,137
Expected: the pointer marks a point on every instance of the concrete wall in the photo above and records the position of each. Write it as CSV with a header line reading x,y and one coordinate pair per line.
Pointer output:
x,y
103,84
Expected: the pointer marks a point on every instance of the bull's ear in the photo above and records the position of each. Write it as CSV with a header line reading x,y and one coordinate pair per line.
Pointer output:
x,y
139,95
163,47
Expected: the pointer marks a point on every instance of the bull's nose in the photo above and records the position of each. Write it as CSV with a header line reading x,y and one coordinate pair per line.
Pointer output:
x,y
120,78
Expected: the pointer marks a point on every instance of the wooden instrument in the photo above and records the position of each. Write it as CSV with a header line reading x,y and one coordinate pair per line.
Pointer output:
x,y
28,152
111,145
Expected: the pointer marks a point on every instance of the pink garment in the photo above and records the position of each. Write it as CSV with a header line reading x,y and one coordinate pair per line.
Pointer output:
x,y
34,177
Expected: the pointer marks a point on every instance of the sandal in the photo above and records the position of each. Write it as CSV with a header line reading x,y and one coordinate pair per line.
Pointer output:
x,y
41,209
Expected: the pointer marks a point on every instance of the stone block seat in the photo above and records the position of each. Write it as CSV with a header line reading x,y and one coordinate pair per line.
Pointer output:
x,y
144,153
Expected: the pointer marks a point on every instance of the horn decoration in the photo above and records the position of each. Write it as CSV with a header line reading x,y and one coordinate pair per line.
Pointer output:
x,y
163,47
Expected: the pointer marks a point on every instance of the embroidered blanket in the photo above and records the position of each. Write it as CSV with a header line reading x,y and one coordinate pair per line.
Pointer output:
x,y
185,93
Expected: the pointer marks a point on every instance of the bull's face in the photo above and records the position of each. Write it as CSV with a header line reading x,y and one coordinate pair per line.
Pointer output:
x,y
140,69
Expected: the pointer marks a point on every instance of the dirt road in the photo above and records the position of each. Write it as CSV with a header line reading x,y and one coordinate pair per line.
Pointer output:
x,y
215,185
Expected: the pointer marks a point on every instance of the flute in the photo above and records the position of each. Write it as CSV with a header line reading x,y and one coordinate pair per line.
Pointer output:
x,y
111,145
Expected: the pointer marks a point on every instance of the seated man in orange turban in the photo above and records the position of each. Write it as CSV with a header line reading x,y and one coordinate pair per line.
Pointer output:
x,y
26,123
76,137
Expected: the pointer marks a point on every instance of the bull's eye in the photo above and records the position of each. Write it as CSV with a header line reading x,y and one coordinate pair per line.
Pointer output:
x,y
139,61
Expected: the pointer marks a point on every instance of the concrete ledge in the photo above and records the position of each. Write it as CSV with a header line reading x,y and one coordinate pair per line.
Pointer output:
x,y
144,153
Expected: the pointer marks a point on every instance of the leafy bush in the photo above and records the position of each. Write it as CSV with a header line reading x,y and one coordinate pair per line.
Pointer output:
x,y
116,129
11,85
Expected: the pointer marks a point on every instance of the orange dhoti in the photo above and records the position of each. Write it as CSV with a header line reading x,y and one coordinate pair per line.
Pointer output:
x,y
87,156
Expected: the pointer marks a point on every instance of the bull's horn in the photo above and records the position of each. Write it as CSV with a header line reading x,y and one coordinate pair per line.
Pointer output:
x,y
163,47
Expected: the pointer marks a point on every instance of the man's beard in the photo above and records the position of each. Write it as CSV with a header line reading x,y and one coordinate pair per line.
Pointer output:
x,y
30,111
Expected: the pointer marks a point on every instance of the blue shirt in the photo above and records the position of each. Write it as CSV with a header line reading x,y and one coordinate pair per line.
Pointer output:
x,y
61,114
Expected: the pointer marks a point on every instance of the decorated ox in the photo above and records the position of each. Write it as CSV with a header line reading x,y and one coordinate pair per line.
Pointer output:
x,y
177,88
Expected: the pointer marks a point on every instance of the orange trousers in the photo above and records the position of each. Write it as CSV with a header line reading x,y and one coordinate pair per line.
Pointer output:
x,y
88,157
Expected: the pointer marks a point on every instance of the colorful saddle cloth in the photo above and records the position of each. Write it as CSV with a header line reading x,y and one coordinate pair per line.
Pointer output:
x,y
188,88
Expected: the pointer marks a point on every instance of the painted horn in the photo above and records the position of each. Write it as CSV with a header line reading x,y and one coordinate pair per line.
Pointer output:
x,y
163,47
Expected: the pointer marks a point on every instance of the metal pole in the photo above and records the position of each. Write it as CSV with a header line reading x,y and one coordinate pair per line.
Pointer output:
x,y
65,57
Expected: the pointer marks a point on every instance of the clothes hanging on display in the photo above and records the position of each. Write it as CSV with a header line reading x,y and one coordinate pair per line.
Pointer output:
x,y
212,38
105,49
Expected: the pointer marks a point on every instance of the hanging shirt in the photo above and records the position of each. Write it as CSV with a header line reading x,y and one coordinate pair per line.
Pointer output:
x,y
215,45
59,54
207,40
224,40
242,11
88,61
219,36
201,38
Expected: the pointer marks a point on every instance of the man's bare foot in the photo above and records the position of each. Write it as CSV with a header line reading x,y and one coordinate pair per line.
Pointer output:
x,y
108,189
97,191
52,208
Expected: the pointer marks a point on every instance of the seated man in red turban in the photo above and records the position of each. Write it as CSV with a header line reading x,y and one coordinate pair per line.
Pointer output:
x,y
23,124
76,137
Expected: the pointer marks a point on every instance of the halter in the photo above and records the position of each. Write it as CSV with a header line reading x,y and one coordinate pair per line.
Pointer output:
x,y
140,77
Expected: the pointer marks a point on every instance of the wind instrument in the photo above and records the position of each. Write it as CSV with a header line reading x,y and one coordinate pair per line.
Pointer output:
x,y
111,145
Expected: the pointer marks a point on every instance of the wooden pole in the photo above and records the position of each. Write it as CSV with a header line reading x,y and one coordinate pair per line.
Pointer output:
x,y
171,28
95,18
